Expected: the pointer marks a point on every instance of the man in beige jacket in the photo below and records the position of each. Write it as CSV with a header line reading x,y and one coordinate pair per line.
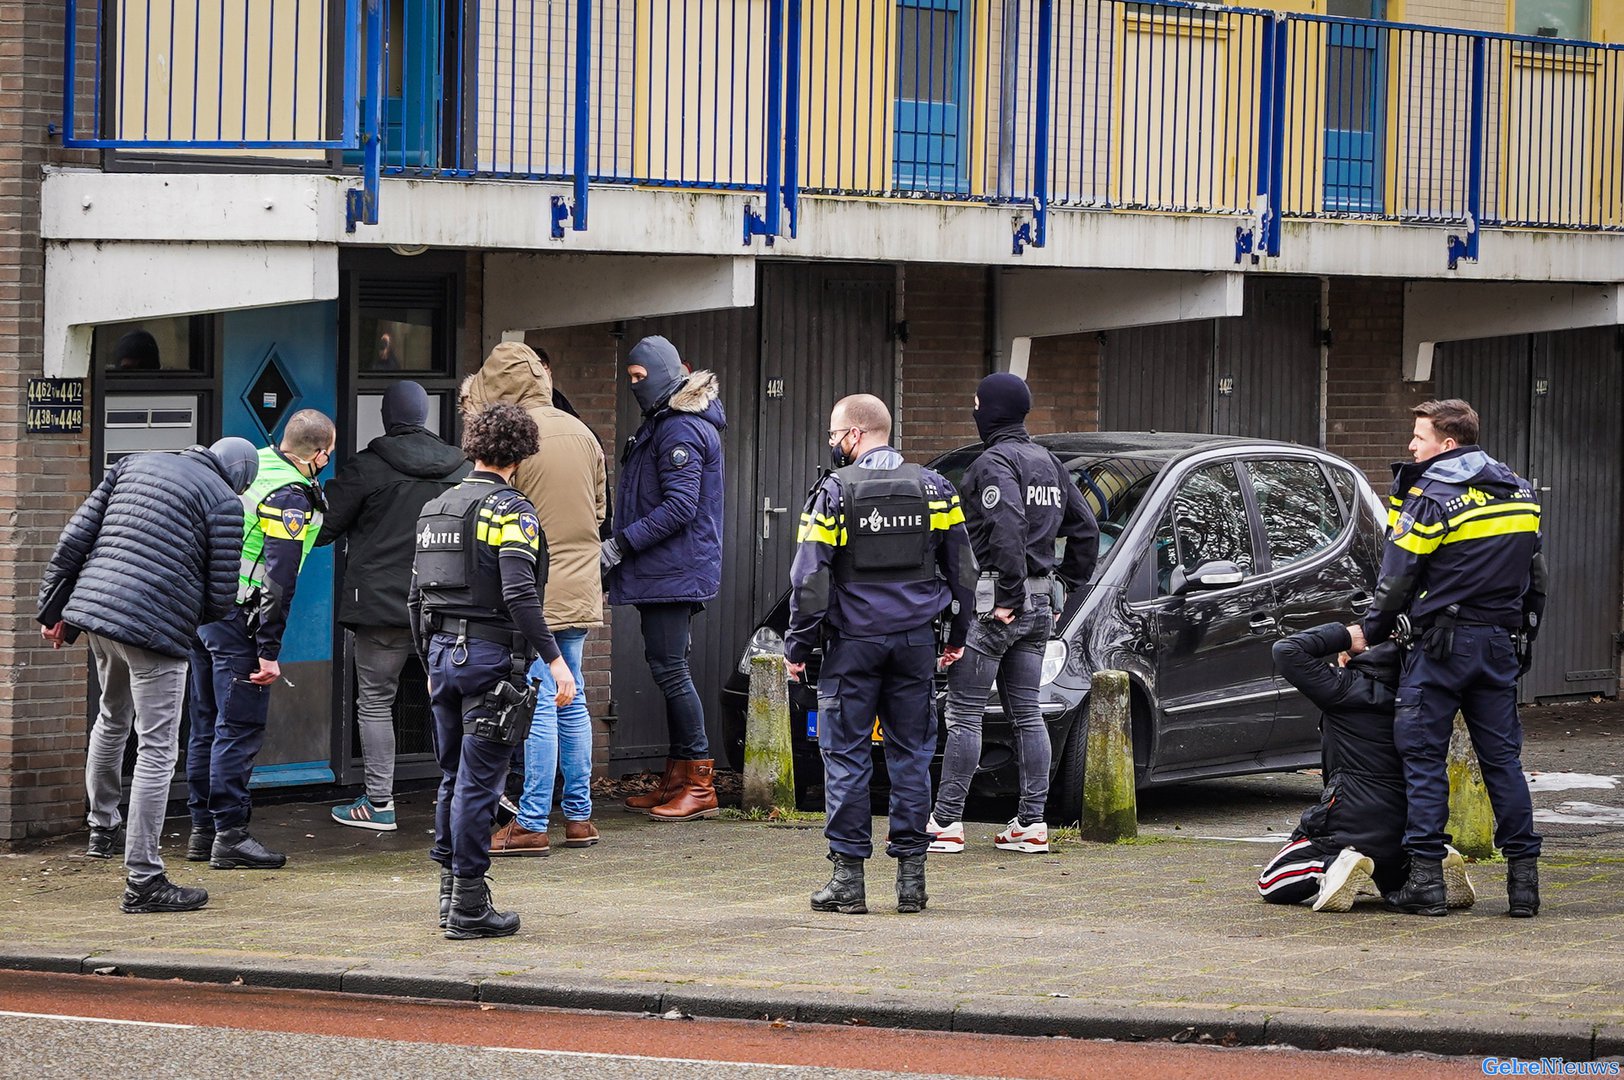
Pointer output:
x,y
565,482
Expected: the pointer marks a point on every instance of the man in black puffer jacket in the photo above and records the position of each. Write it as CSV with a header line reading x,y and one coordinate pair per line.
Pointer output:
x,y
1355,834
146,560
373,504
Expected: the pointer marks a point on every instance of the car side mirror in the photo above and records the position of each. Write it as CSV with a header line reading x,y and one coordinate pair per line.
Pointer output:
x,y
1217,574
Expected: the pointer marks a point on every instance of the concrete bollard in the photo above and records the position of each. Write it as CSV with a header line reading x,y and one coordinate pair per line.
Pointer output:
x,y
1471,815
769,769
1110,803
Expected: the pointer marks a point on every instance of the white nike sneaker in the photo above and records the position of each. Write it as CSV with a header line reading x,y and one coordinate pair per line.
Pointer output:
x,y
1343,879
945,839
1458,891
1032,839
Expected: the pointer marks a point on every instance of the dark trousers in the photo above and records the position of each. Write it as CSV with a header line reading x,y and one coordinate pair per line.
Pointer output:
x,y
228,716
667,639
1479,678
471,768
1293,875
892,678
1012,655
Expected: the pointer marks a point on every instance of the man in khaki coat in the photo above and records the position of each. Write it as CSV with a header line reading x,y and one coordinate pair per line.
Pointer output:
x,y
565,482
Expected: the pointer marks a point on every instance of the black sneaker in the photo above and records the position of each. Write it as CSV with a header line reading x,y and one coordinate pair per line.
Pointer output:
x,y
234,849
160,894
105,843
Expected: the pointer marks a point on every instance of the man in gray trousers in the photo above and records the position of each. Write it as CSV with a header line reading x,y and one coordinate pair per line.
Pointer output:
x,y
150,556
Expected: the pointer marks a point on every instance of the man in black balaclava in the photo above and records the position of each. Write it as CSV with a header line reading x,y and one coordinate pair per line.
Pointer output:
x,y
373,504
1018,499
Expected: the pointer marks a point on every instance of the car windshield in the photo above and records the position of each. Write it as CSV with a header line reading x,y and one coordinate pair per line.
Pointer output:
x,y
1112,487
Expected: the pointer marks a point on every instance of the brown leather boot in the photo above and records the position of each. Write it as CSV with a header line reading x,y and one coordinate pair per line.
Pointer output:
x,y
580,834
695,797
669,782
515,839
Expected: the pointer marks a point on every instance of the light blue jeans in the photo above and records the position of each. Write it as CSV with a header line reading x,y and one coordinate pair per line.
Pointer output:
x,y
559,739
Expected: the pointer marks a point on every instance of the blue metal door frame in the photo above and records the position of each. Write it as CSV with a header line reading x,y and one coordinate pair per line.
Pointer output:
x,y
1355,115
931,106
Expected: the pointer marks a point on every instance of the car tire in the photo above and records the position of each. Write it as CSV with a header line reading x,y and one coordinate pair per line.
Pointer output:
x,y
1065,805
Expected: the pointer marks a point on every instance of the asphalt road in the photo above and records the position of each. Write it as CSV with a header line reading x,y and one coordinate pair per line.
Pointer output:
x,y
76,1026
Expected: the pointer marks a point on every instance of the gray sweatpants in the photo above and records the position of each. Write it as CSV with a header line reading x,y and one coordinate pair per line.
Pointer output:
x,y
144,690
381,653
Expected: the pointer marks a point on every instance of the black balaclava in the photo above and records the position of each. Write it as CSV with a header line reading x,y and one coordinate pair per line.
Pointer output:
x,y
659,358
1004,402
240,460
405,403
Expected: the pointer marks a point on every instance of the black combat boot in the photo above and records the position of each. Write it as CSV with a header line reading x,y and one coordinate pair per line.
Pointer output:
x,y
234,849
445,895
472,915
911,884
199,845
1522,887
1424,893
844,892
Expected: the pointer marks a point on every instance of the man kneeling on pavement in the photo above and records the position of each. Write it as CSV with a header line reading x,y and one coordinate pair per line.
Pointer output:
x,y
1351,841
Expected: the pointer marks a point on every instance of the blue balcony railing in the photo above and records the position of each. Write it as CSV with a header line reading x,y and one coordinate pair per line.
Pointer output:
x,y
1051,105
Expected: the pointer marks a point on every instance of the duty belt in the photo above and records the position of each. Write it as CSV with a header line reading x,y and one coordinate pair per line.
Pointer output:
x,y
462,627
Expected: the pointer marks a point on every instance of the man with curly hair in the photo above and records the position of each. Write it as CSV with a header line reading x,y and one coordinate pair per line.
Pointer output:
x,y
476,616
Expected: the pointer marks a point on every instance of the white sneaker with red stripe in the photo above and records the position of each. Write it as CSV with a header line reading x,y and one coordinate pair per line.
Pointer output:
x,y
1032,839
945,839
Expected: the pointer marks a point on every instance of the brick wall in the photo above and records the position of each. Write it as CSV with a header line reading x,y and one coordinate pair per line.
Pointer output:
x,y
943,359
1064,374
1367,401
44,477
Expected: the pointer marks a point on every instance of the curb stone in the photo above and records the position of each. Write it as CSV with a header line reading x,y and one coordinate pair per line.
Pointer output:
x,y
1306,1030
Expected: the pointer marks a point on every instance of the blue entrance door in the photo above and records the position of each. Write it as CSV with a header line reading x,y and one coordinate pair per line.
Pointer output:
x,y
932,42
1355,107
414,44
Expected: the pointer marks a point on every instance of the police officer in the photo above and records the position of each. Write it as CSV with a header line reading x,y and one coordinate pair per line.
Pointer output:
x,y
1022,498
882,552
1462,567
476,615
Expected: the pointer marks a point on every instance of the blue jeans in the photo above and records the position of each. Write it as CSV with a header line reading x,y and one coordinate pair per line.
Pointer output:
x,y
559,739
229,714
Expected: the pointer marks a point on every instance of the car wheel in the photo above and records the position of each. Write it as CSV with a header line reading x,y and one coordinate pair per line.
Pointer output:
x,y
1066,792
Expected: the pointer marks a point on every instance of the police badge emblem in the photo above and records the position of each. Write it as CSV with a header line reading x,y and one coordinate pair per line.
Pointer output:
x,y
990,496
294,522
1405,523
530,527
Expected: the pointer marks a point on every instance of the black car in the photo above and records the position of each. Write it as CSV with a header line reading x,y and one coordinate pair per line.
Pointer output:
x,y
1211,549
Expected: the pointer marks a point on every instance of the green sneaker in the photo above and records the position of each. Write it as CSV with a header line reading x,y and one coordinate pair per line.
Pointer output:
x,y
364,815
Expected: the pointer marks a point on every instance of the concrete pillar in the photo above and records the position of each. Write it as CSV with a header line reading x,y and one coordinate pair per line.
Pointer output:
x,y
536,292
1437,311
1110,802
769,769
1051,302
1471,816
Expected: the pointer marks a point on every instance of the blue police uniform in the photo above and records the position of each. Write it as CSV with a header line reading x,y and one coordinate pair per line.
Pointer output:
x,y
1463,560
882,551
475,601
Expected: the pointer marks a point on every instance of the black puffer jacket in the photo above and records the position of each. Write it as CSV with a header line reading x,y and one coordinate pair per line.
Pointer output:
x,y
373,503
152,554
1363,803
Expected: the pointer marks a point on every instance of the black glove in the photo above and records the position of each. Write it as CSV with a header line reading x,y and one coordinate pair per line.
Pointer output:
x,y
1525,652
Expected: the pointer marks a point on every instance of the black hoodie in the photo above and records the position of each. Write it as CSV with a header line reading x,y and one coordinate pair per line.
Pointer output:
x,y
374,503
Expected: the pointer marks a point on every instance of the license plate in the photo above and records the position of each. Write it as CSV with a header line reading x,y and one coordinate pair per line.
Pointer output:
x,y
812,727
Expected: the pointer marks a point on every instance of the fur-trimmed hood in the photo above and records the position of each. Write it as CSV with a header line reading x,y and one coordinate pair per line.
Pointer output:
x,y
701,395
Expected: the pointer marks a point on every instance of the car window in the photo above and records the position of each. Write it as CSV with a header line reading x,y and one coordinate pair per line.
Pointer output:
x,y
1113,489
1301,515
1209,519
1347,487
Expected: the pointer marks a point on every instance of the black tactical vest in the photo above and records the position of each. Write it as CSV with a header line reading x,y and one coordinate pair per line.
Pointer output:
x,y
447,559
887,526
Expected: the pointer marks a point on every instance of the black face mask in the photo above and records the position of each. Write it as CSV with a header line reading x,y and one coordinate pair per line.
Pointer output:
x,y
837,453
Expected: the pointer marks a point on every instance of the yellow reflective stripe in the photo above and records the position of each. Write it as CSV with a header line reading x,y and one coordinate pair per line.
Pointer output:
x,y
512,534
273,528
1426,530
1506,525
1395,500
1417,545
1495,508
941,521
1392,519
812,532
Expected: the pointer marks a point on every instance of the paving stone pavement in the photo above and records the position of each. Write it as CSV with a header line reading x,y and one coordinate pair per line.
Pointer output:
x,y
1147,938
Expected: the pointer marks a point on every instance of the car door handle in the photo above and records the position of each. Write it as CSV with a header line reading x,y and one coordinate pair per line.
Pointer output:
x,y
1263,623
1360,602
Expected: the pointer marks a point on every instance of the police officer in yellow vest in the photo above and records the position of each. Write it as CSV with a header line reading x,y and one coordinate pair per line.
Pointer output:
x,y
234,661
478,577
882,552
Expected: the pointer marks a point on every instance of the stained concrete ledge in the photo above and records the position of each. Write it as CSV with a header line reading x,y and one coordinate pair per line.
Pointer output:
x,y
992,1015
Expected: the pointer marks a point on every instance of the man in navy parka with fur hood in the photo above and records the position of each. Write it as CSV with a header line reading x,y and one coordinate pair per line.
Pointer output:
x,y
665,557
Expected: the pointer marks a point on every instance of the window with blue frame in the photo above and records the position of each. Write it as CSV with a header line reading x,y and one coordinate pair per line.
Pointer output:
x,y
1355,108
932,107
